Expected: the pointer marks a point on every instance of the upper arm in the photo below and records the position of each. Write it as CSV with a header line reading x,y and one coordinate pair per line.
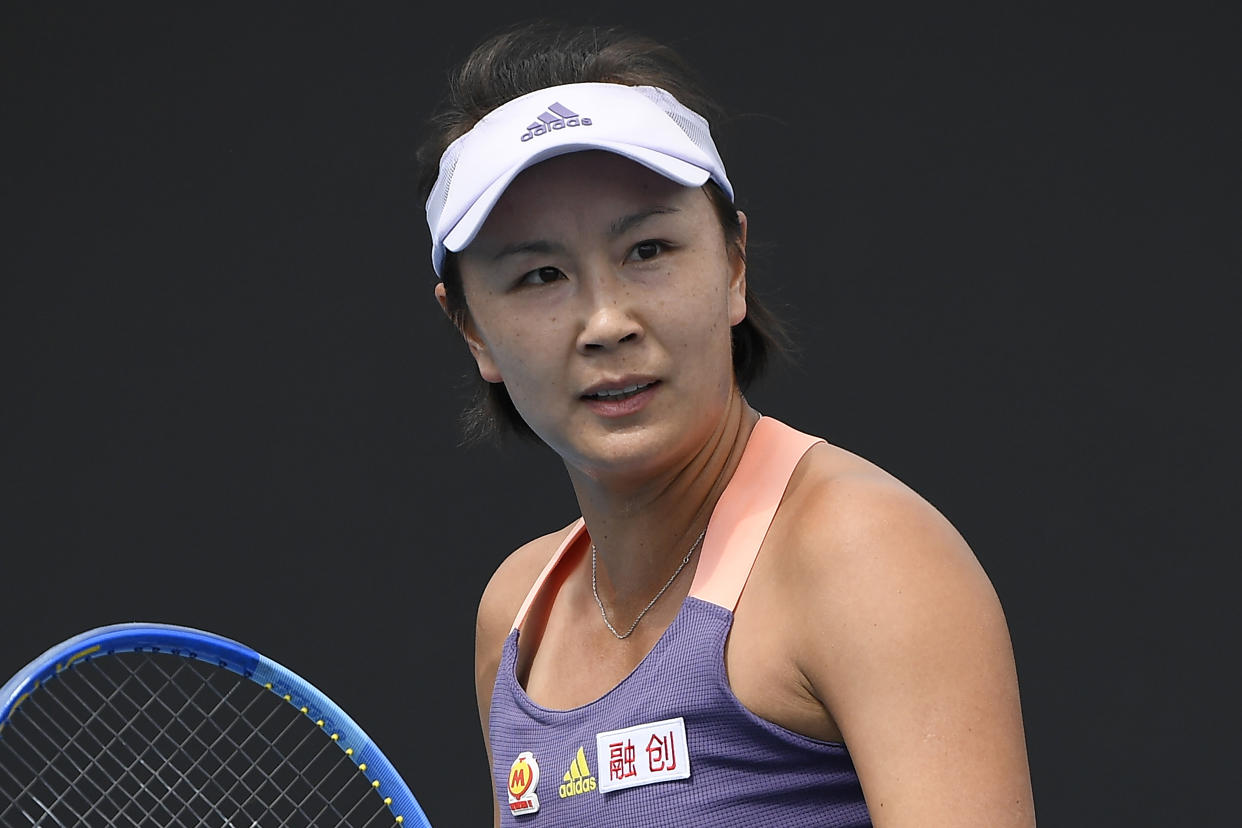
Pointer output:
x,y
491,627
490,630
499,605
912,657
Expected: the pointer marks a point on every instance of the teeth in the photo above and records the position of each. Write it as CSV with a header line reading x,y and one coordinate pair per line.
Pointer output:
x,y
620,392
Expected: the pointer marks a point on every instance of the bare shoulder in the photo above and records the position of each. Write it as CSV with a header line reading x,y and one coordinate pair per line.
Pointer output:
x,y
502,598
512,580
905,644
880,569
852,527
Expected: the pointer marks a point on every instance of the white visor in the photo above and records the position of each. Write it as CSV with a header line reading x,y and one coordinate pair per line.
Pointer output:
x,y
642,123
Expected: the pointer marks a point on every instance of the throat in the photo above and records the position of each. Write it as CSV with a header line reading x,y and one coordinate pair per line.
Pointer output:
x,y
603,611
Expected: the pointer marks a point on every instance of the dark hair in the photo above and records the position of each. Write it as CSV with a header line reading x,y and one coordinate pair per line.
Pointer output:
x,y
534,56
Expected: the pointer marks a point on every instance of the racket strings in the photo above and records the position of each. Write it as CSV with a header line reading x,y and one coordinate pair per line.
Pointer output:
x,y
88,754
190,745
153,739
43,748
203,749
110,700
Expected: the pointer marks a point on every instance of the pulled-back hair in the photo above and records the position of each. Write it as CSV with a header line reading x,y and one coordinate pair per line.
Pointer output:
x,y
535,56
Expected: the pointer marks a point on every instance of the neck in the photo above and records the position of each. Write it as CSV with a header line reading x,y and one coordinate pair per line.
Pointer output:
x,y
642,531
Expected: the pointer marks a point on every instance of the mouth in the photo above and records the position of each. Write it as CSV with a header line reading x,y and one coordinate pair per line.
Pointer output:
x,y
617,394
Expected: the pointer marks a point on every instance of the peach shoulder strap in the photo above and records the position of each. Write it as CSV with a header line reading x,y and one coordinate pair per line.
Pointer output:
x,y
744,512
575,533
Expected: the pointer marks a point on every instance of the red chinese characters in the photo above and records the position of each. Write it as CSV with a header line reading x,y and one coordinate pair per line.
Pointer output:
x,y
643,754
621,760
661,752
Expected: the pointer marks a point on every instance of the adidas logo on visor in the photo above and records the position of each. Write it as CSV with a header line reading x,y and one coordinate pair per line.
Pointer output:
x,y
554,117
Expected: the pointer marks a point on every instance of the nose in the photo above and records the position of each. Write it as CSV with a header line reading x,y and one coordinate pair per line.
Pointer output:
x,y
609,318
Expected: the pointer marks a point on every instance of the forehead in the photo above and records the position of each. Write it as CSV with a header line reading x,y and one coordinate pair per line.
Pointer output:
x,y
583,188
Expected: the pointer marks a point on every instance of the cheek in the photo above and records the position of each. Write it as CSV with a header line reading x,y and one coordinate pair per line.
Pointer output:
x,y
701,334
527,356
704,313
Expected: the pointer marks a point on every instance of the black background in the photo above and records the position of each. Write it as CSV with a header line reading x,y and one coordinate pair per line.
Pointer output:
x,y
1007,243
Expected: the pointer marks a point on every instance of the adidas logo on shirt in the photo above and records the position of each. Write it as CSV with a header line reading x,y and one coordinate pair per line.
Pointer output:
x,y
554,117
578,778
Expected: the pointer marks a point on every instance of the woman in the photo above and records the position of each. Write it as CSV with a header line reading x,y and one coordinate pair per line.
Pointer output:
x,y
748,625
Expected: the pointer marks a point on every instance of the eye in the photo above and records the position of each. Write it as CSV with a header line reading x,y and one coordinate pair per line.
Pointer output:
x,y
541,276
648,249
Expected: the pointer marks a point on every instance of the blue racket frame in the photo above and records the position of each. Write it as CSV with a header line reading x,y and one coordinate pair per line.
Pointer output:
x,y
223,652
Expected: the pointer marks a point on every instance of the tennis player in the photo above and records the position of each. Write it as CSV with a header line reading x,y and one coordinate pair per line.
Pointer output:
x,y
748,626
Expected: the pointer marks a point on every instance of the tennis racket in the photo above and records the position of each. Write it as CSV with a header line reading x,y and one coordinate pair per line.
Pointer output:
x,y
159,725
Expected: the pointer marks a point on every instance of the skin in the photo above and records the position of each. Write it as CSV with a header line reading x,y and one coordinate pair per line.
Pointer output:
x,y
867,619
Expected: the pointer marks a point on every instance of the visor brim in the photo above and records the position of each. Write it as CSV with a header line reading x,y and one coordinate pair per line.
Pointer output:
x,y
472,221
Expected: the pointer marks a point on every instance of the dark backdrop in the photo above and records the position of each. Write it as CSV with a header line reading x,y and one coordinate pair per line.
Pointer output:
x,y
1008,245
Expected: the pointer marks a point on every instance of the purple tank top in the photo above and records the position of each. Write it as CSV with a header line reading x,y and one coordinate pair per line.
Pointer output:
x,y
671,744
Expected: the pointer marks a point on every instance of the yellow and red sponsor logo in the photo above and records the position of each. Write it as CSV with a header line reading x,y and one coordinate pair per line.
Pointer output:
x,y
523,779
520,776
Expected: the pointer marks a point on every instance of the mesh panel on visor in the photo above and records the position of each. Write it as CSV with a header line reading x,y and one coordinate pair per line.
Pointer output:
x,y
694,125
439,195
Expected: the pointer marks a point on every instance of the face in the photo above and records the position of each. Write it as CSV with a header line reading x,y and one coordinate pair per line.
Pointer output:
x,y
603,296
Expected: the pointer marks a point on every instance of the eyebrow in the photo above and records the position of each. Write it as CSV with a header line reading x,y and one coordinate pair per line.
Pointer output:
x,y
537,246
617,228
625,223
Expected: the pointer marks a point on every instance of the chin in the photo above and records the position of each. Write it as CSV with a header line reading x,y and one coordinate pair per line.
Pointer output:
x,y
631,451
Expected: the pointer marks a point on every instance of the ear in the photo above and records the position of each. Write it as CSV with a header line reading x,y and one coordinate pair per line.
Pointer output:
x,y
737,276
488,369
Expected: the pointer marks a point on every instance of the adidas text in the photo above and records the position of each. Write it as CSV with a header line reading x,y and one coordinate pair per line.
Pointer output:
x,y
577,786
